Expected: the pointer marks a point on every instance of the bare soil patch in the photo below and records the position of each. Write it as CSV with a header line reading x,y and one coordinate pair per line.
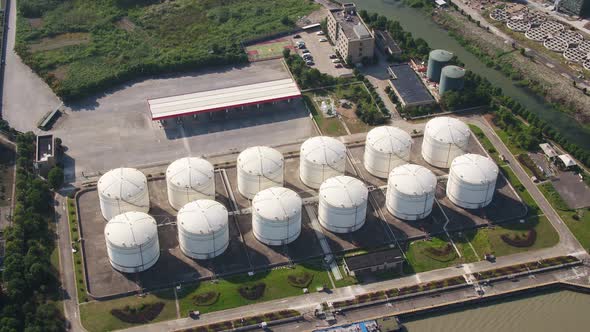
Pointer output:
x,y
35,22
59,41
126,24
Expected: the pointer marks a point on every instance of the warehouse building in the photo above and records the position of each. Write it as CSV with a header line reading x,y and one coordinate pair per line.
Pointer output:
x,y
223,99
408,87
390,259
351,37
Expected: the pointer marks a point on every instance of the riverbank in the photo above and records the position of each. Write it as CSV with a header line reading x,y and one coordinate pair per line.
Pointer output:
x,y
421,26
526,70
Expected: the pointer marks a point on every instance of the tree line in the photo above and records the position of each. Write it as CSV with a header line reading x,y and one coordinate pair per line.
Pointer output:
x,y
479,91
29,284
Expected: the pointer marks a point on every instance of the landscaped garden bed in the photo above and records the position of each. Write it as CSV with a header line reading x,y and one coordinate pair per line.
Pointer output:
x,y
395,292
252,291
520,241
268,317
144,313
525,267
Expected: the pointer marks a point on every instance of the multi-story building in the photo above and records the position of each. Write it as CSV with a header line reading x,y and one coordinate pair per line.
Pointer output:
x,y
351,37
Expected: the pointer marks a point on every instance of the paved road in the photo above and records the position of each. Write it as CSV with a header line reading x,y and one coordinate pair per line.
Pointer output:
x,y
26,97
66,263
567,239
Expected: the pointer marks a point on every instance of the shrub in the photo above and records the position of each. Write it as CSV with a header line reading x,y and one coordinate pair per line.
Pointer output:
x,y
205,299
252,292
520,241
138,315
300,280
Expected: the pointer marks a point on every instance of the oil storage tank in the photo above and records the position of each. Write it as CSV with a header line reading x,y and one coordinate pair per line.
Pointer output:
x,y
410,192
259,168
321,157
189,179
437,59
122,190
342,204
452,79
472,181
203,229
132,242
445,139
386,147
276,216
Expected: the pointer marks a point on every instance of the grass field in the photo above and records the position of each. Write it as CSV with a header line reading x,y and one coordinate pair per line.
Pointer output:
x,y
578,221
96,316
271,49
419,260
276,283
82,47
328,126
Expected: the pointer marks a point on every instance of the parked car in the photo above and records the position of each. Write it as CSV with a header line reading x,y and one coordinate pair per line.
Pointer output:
x,y
333,56
195,314
297,36
307,57
301,46
309,63
338,65
323,40
336,61
320,33
306,51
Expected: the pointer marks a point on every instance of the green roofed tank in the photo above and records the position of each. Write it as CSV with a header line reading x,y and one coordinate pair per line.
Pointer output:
x,y
451,78
437,59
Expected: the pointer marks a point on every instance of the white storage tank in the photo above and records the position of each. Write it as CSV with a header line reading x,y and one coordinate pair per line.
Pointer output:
x,y
472,181
445,139
203,229
189,179
410,192
259,168
122,190
276,216
321,158
132,242
342,204
386,147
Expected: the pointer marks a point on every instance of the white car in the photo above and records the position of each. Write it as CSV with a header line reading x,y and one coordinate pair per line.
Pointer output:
x,y
323,40
336,61
305,52
320,33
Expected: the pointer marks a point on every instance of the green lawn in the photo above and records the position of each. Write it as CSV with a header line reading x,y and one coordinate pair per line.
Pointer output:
x,y
578,221
509,142
96,316
123,40
78,261
488,240
346,279
487,145
276,283
533,208
328,126
420,260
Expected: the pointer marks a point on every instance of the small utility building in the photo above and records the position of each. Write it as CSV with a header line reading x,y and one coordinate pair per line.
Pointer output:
x,y
384,260
408,87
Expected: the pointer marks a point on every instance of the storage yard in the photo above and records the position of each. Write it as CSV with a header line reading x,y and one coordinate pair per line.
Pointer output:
x,y
281,221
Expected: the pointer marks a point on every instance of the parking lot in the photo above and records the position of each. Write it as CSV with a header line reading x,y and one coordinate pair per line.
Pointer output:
x,y
572,189
321,52
115,129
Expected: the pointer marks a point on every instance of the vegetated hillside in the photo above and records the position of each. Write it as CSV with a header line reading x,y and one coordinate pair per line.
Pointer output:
x,y
80,47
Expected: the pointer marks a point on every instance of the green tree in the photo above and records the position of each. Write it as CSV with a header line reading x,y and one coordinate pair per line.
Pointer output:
x,y
55,177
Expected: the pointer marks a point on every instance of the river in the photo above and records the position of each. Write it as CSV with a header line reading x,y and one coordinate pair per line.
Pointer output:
x,y
416,22
562,311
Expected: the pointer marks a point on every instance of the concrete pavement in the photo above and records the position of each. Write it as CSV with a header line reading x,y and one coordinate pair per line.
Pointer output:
x,y
26,97
66,265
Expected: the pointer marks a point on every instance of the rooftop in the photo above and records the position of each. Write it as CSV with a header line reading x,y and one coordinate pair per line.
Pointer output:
x,y
44,147
385,39
375,258
351,24
408,86
221,99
